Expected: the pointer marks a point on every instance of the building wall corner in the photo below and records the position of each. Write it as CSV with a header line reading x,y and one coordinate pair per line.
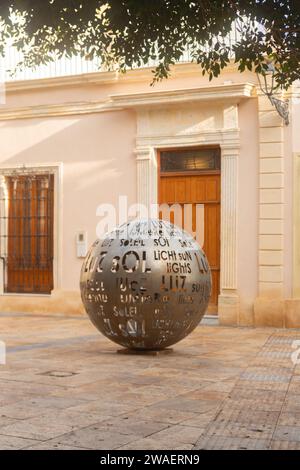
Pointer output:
x,y
59,302
67,302
269,312
278,313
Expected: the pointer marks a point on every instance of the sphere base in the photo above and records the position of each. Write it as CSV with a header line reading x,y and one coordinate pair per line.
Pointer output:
x,y
145,352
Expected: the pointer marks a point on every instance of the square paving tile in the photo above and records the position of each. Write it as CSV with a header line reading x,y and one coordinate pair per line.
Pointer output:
x,y
96,438
231,443
285,445
287,433
15,443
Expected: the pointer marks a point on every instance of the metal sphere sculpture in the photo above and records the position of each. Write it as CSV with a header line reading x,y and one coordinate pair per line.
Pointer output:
x,y
146,285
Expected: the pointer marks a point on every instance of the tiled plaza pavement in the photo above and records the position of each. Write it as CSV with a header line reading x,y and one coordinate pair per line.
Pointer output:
x,y
64,387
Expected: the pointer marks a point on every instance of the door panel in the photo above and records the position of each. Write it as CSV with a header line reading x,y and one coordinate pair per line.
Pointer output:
x,y
180,190
212,191
199,189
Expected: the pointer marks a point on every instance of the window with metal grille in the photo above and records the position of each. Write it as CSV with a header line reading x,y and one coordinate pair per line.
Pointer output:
x,y
206,159
26,232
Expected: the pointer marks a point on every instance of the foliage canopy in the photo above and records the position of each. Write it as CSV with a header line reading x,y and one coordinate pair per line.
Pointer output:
x,y
129,33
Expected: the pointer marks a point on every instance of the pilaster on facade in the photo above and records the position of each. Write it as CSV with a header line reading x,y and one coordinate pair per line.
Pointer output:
x,y
294,97
146,177
296,227
271,200
277,305
229,299
229,218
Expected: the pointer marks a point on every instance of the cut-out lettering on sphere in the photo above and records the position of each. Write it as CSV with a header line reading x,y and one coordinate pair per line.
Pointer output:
x,y
146,285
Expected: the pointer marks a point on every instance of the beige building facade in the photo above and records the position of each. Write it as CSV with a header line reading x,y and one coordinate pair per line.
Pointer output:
x,y
99,136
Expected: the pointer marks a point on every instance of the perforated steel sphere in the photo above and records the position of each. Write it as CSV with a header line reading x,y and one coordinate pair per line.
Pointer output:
x,y
146,285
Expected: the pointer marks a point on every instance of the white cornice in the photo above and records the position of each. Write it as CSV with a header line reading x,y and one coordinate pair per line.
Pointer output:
x,y
233,92
51,110
96,78
227,138
104,78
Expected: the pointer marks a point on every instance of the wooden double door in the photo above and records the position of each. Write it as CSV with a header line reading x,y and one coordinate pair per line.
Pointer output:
x,y
27,233
198,190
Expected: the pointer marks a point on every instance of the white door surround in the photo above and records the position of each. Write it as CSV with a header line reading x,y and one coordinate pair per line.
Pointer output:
x,y
195,117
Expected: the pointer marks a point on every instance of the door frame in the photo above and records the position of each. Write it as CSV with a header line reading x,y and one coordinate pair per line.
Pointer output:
x,y
147,194
40,168
211,307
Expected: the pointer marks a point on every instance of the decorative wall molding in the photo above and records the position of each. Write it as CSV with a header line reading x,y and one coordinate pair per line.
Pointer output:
x,y
51,110
228,137
233,92
106,77
96,78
